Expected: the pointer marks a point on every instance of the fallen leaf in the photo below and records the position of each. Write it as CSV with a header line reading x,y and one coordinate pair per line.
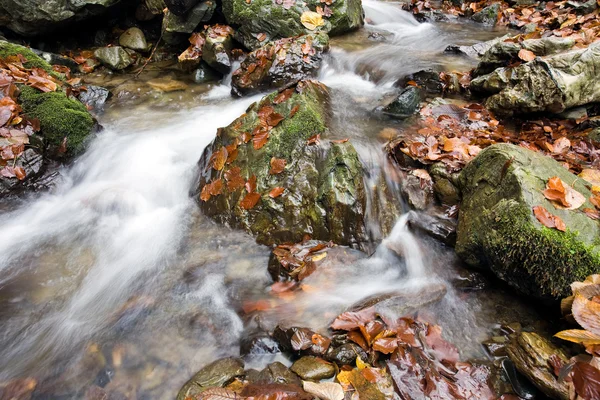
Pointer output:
x,y
220,158
591,175
339,141
586,313
526,55
276,192
547,219
260,139
311,20
579,336
251,184
315,139
250,201
324,390
586,380
277,165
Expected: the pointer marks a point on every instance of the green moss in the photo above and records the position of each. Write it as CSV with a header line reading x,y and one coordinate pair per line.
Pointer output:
x,y
33,60
523,251
59,117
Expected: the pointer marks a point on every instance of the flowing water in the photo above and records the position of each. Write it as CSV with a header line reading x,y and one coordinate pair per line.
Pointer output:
x,y
114,279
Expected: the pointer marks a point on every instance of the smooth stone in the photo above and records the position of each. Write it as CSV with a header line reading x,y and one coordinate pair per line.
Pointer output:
x,y
167,85
134,39
279,374
405,105
114,57
346,354
216,374
313,368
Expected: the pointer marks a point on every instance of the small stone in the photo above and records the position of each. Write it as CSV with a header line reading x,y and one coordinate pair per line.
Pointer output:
x,y
115,57
405,105
487,16
216,374
94,97
313,368
167,85
346,354
134,39
277,373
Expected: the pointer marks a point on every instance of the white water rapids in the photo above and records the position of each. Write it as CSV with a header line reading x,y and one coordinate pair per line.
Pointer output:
x,y
113,279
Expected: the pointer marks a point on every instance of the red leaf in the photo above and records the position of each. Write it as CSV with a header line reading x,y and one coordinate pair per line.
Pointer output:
x,y
274,119
251,184
260,139
283,96
276,192
315,139
250,201
277,165
586,379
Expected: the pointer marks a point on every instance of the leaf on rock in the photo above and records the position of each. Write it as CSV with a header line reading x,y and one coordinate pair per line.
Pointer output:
x,y
220,158
586,380
234,179
526,55
324,390
250,201
260,139
20,173
587,313
592,213
547,219
591,175
276,192
277,165
294,110
302,339
251,184
314,139
339,141
563,195
581,336
217,393
385,345
311,20
274,119
283,96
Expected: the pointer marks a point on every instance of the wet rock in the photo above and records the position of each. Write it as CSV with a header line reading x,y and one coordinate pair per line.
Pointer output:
x,y
437,226
94,97
178,28
313,368
35,17
156,7
497,228
280,63
258,343
32,162
346,354
427,79
180,7
553,83
478,49
417,190
406,104
204,74
216,374
114,57
496,346
262,21
298,340
445,184
519,383
134,39
530,353
469,281
323,187
502,53
167,85
218,44
277,373
487,16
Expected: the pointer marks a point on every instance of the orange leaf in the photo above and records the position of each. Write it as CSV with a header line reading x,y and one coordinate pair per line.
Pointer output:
x,y
277,165
260,139
234,179
315,139
340,141
526,55
251,184
276,192
274,119
20,173
250,201
220,159
294,110
544,216
283,96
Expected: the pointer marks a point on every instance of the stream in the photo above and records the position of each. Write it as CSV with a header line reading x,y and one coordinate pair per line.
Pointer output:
x,y
115,279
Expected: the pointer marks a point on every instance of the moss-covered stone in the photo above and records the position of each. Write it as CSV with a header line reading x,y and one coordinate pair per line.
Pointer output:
x,y
279,21
8,49
59,117
497,228
324,193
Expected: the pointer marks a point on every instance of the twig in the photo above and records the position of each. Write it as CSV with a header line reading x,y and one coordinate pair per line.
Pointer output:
x,y
151,54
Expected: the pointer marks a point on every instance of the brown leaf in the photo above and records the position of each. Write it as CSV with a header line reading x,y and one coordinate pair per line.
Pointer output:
x,y
277,165
20,173
234,179
339,141
283,96
276,192
274,119
251,184
260,139
385,345
544,217
586,380
314,139
587,313
250,201
324,390
220,158
592,213
526,55
294,110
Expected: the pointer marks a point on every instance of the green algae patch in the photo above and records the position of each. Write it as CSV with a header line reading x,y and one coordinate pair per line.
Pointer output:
x,y
59,117
324,195
497,228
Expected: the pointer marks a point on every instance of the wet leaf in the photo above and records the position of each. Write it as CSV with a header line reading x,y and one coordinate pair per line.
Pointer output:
x,y
311,20
526,55
579,336
234,179
217,393
283,96
277,165
324,390
274,119
586,313
586,380
20,173
220,158
249,201
251,184
294,110
313,140
563,195
385,345
260,139
276,192
302,339
547,219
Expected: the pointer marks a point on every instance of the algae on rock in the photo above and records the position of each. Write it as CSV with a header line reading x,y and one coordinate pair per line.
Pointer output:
x,y
324,194
497,228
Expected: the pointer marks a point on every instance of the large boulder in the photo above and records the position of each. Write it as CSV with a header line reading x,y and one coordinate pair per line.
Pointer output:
x,y
553,83
272,173
262,21
280,63
178,27
498,230
34,17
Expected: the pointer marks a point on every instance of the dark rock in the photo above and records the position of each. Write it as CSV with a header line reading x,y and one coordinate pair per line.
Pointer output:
x,y
258,343
498,230
437,226
178,28
114,57
406,104
216,374
496,346
324,186
313,368
35,17
94,97
487,16
279,63
180,7
204,74
57,59
346,354
427,79
218,44
32,162
520,385
468,281
278,373
445,184
278,21
285,335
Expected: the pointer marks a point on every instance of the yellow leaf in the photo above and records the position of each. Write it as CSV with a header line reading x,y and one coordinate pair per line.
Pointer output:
x,y
360,364
579,336
591,175
311,20
319,257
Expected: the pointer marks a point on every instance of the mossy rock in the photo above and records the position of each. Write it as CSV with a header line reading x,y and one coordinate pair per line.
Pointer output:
x,y
324,194
59,117
8,49
497,228
278,21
